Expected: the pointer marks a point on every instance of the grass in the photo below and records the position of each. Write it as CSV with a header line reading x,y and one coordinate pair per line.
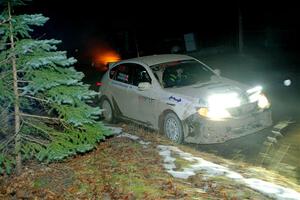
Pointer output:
x,y
181,163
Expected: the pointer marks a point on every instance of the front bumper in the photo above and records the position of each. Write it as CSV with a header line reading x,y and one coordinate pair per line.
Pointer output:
x,y
204,131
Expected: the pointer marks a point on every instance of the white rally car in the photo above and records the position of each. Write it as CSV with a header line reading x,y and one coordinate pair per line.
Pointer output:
x,y
183,98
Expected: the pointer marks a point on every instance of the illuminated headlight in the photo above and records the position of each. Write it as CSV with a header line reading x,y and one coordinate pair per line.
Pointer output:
x,y
214,114
255,95
218,104
263,102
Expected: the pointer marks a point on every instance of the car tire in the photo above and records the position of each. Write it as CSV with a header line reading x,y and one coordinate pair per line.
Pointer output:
x,y
173,128
108,112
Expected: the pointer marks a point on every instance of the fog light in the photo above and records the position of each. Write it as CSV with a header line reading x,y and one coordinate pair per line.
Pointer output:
x,y
203,112
214,114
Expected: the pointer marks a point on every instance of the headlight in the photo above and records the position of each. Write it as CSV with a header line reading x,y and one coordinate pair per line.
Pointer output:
x,y
255,95
263,102
218,104
221,101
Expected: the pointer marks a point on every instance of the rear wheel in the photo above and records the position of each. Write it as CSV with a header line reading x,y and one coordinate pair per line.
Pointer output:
x,y
173,128
108,113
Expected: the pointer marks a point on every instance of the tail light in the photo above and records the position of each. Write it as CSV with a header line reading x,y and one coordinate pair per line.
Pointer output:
x,y
99,84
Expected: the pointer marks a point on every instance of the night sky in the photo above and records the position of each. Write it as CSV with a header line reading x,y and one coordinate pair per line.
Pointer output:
x,y
86,25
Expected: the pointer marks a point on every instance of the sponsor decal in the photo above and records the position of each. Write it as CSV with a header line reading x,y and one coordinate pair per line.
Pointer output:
x,y
122,77
172,98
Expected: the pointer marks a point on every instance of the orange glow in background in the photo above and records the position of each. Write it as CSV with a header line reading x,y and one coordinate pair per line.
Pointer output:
x,y
102,54
108,56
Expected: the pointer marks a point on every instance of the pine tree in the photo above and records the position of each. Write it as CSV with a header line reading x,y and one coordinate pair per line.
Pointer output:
x,y
42,97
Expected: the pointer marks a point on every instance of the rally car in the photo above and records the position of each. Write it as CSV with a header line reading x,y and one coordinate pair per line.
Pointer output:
x,y
183,98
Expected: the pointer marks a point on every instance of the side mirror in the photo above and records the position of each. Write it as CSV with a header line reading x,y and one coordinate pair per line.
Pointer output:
x,y
144,86
218,72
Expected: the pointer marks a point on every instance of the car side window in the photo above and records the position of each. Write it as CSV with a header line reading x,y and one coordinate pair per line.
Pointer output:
x,y
140,75
121,73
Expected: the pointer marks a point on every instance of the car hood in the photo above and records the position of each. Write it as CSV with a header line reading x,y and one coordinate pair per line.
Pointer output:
x,y
203,90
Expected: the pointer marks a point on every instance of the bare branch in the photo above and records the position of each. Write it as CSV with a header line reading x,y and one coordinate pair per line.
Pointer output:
x,y
35,140
35,98
40,37
39,116
21,81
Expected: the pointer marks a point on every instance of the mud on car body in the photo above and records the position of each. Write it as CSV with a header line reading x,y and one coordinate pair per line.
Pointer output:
x,y
183,98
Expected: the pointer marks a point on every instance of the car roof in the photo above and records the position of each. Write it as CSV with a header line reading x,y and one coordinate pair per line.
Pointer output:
x,y
157,59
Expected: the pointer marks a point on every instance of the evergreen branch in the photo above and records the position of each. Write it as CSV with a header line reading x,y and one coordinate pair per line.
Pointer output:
x,y
5,60
66,125
4,74
35,98
39,116
6,142
9,82
4,110
36,127
35,140
4,21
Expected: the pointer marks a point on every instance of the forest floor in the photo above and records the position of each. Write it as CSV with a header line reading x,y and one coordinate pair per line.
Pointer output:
x,y
134,167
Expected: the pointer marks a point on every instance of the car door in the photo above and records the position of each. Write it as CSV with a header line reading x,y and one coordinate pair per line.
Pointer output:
x,y
121,80
144,100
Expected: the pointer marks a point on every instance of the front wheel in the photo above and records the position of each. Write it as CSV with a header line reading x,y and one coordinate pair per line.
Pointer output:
x,y
108,113
173,127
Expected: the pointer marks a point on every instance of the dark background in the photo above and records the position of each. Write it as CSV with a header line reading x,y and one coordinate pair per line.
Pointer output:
x,y
151,27
93,31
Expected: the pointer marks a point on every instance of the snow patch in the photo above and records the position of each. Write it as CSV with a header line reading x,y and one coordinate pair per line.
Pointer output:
x,y
272,190
136,138
114,130
133,137
211,169
144,143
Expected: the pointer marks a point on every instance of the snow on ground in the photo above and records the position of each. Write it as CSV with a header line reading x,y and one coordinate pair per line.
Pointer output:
x,y
211,169
119,132
134,137
114,130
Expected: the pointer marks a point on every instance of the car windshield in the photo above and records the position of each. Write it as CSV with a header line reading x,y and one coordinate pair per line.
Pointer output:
x,y
181,73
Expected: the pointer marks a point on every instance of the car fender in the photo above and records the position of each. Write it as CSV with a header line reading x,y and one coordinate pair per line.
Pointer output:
x,y
181,105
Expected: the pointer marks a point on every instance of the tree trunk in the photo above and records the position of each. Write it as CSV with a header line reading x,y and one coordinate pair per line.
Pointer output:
x,y
16,94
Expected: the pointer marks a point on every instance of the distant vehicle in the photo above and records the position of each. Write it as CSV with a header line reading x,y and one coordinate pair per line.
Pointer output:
x,y
183,98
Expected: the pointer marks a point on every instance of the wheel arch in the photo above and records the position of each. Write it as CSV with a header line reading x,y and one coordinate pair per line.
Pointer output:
x,y
161,120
